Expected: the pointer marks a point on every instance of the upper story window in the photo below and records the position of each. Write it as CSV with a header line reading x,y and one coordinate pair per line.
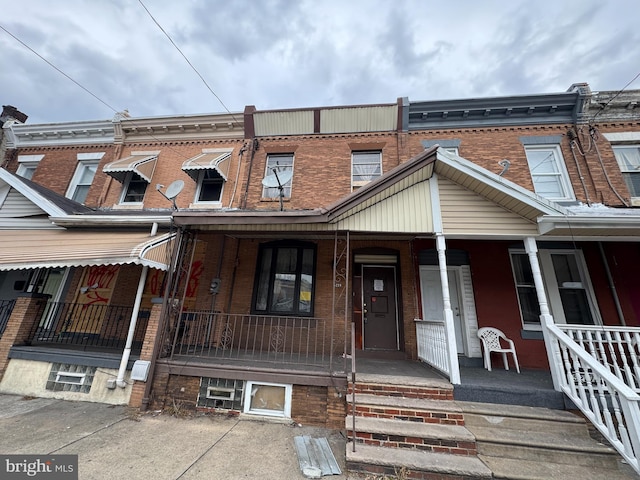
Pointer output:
x,y
135,173
285,279
547,168
365,167
210,170
27,165
279,171
628,157
450,145
83,176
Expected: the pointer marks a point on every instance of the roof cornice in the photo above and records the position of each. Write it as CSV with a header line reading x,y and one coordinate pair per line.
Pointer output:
x,y
54,134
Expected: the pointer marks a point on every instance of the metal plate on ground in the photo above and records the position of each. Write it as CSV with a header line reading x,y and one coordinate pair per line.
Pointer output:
x,y
315,457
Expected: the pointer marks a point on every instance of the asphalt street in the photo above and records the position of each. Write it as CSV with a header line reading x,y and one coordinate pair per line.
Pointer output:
x,y
115,442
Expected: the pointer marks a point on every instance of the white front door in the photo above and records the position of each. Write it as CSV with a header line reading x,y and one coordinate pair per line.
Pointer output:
x,y
433,304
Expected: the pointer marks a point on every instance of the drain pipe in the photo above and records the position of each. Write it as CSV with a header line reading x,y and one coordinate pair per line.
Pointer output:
x,y
132,328
612,285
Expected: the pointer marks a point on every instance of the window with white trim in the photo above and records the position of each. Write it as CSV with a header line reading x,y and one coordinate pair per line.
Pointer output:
x,y
365,167
65,377
270,399
210,185
27,165
548,172
568,287
133,189
81,181
278,165
628,158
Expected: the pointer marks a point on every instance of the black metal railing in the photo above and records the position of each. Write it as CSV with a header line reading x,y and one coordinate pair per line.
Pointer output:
x,y
6,307
304,341
89,326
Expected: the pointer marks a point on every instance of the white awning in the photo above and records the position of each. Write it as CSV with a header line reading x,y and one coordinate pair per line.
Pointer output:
x,y
143,165
217,159
26,249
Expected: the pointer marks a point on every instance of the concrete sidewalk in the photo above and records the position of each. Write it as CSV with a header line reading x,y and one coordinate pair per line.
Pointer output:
x,y
114,442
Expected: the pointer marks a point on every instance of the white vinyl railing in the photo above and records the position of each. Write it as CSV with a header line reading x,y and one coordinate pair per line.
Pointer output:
x,y
432,344
616,348
603,397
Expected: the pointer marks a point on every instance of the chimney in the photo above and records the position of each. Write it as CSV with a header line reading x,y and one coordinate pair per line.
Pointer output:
x,y
10,112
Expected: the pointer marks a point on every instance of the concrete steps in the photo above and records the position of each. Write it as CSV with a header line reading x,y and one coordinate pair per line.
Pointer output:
x,y
527,443
410,425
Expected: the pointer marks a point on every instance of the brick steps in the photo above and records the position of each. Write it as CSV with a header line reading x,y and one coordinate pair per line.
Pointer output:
x,y
445,412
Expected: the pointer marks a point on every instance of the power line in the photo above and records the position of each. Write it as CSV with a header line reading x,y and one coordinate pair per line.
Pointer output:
x,y
616,95
58,70
187,60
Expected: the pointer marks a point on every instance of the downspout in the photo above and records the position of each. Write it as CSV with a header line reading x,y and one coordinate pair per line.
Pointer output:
x,y
132,328
254,147
612,286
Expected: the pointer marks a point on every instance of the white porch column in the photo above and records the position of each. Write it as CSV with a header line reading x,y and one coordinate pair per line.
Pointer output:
x,y
545,315
452,349
132,328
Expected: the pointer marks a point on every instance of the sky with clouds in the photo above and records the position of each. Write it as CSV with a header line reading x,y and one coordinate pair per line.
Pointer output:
x,y
300,53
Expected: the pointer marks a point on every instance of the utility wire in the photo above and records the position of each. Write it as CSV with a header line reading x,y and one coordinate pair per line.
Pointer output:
x,y
616,95
58,70
187,60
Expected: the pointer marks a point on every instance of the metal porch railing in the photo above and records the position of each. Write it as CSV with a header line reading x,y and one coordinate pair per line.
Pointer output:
x,y
307,341
88,326
580,364
6,307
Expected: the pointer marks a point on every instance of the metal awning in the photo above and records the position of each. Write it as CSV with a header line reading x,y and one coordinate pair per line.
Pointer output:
x,y
217,159
26,249
143,165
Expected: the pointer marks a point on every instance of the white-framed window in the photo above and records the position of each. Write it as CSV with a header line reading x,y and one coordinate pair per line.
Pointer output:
x,y
210,186
133,189
567,285
27,165
450,145
270,399
279,167
365,167
628,158
81,181
548,172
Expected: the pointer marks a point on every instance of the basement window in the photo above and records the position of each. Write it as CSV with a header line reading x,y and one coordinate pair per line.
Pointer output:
x,y
70,378
270,399
223,393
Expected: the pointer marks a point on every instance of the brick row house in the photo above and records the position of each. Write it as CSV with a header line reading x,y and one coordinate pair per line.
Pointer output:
x,y
295,240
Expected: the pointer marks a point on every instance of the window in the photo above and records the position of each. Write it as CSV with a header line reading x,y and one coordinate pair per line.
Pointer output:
x,y
365,166
271,399
450,145
285,279
277,166
133,189
550,178
570,295
81,181
27,165
70,378
210,185
628,157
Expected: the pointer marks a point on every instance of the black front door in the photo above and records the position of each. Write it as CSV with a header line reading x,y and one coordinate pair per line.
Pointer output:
x,y
379,312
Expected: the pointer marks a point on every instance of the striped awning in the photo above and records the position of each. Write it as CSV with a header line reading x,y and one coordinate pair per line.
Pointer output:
x,y
26,249
143,165
217,159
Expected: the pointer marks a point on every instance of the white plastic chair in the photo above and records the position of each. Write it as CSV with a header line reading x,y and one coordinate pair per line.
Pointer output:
x,y
491,343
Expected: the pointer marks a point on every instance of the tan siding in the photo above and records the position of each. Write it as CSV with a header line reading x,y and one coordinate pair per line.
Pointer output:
x,y
283,123
364,119
464,212
408,211
16,205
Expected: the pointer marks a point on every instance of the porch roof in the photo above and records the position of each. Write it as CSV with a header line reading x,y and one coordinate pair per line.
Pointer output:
x,y
27,249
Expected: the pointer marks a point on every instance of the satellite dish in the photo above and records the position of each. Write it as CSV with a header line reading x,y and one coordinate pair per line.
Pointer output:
x,y
174,189
278,180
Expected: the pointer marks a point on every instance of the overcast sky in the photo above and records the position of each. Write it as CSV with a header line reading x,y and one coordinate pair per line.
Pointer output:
x,y
290,53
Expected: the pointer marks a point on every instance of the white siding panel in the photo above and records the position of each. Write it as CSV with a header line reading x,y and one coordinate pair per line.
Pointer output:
x,y
465,212
361,119
297,122
17,205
